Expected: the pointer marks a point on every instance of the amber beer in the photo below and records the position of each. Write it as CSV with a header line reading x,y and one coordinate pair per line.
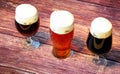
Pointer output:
x,y
100,37
26,19
61,30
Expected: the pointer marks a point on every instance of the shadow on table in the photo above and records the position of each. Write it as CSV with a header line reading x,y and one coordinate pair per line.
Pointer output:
x,y
114,56
77,44
42,37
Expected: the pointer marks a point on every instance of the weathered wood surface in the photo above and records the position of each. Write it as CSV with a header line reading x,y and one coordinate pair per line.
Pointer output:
x,y
14,59
108,3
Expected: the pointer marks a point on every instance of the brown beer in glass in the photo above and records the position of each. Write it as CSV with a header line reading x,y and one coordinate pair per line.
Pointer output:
x,y
61,30
26,20
100,38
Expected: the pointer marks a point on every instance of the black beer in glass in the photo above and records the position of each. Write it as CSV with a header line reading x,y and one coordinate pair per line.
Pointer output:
x,y
100,37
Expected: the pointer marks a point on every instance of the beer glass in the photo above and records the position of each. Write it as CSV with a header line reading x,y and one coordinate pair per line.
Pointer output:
x,y
27,23
100,39
61,31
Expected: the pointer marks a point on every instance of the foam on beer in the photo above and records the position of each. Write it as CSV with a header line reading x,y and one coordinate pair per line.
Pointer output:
x,y
26,14
61,22
101,28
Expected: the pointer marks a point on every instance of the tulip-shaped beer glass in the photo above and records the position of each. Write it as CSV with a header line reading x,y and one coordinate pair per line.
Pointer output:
x,y
100,39
61,30
27,22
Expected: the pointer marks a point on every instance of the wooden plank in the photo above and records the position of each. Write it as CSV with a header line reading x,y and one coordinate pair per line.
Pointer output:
x,y
6,69
83,18
108,3
42,61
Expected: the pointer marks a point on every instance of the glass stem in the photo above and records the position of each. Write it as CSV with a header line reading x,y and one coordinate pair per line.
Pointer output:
x,y
96,59
29,41
104,60
100,60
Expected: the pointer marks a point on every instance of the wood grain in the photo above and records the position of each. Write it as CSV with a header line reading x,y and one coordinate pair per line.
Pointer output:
x,y
108,3
41,60
6,69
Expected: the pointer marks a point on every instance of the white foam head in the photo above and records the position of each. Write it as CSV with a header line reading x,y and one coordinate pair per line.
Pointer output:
x,y
101,28
61,22
26,14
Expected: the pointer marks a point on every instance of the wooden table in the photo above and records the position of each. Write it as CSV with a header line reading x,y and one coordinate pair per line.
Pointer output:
x,y
15,60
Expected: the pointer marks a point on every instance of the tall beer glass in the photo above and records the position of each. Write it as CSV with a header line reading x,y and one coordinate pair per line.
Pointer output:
x,y
27,22
61,30
100,39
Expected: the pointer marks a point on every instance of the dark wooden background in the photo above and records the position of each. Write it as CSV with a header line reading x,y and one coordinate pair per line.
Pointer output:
x,y
16,60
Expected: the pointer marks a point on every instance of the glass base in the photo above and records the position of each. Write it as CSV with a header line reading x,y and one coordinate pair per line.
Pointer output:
x,y
30,44
61,54
100,60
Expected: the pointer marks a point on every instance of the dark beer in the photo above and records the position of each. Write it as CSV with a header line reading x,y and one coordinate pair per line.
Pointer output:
x,y
100,36
61,30
26,19
27,30
99,46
